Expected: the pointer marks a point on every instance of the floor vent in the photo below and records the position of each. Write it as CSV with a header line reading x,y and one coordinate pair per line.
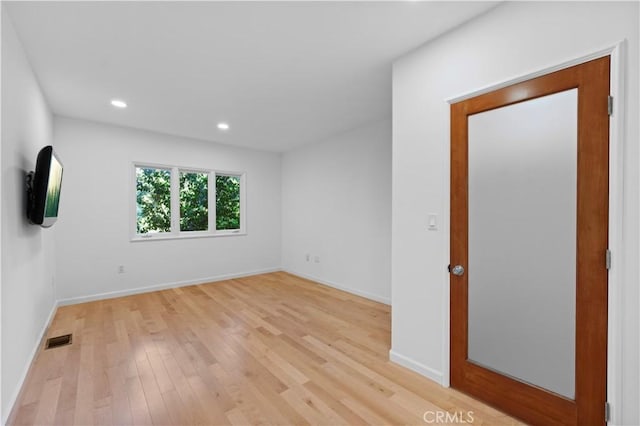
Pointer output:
x,y
56,342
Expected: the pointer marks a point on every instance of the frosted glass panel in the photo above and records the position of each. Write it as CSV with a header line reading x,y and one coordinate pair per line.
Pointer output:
x,y
522,240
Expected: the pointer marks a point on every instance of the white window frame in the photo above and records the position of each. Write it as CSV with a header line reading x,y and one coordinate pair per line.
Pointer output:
x,y
175,232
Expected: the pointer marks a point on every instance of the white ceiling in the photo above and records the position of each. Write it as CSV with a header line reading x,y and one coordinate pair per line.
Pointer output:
x,y
282,74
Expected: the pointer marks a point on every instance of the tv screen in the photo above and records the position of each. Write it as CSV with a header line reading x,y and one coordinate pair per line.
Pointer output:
x,y
44,198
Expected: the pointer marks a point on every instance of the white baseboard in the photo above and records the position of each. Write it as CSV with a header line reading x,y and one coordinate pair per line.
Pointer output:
x,y
164,286
27,367
419,368
366,295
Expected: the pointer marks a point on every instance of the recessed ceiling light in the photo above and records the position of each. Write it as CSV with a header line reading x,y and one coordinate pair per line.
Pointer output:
x,y
223,126
118,103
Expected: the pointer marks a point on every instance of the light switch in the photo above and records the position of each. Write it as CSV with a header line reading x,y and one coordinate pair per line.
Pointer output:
x,y
432,222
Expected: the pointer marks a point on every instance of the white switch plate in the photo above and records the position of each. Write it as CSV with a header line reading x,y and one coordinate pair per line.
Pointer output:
x,y
432,222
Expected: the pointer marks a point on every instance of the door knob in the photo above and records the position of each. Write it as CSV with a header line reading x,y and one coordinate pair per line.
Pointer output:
x,y
458,270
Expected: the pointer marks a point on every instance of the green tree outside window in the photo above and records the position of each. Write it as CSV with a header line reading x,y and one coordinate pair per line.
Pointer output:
x,y
194,201
153,198
227,202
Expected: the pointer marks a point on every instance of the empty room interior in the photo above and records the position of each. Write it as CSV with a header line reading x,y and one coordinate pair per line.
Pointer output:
x,y
320,213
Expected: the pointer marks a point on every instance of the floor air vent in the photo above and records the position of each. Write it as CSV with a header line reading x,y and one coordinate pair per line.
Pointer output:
x,y
55,342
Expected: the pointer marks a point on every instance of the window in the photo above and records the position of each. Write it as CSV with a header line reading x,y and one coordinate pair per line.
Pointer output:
x,y
174,202
194,201
153,200
227,202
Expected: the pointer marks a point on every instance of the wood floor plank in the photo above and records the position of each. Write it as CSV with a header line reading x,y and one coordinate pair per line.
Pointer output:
x,y
176,409
152,394
270,349
83,413
137,401
236,417
121,410
48,401
370,416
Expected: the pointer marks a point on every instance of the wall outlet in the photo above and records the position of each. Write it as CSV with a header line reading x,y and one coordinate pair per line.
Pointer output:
x,y
308,257
121,269
316,259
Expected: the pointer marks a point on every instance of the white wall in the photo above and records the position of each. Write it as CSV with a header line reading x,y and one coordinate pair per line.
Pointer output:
x,y
28,294
512,40
1,49
92,232
337,206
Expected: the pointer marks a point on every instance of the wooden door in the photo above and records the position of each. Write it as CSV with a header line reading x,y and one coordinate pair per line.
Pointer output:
x,y
583,401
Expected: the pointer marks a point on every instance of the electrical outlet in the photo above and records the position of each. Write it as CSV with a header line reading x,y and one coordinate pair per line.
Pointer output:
x,y
316,259
121,269
308,257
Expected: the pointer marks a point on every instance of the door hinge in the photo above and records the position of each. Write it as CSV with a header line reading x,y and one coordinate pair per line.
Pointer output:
x,y
607,412
608,259
610,105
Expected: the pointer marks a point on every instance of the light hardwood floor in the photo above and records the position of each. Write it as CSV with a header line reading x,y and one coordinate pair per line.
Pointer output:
x,y
267,349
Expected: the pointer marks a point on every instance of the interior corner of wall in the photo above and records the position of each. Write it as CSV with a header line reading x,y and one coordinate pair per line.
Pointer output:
x,y
418,367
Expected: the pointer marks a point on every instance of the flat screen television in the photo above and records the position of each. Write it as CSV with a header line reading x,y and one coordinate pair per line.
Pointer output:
x,y
44,188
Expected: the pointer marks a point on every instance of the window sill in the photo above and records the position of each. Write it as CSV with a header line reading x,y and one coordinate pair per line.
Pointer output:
x,y
185,236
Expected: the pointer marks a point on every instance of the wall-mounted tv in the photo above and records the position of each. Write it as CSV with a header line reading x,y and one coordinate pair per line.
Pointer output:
x,y
44,188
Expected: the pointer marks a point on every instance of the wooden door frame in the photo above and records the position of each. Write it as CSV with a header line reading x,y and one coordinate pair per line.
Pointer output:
x,y
617,52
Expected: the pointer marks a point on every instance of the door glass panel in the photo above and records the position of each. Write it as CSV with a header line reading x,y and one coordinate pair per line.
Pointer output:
x,y
522,240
